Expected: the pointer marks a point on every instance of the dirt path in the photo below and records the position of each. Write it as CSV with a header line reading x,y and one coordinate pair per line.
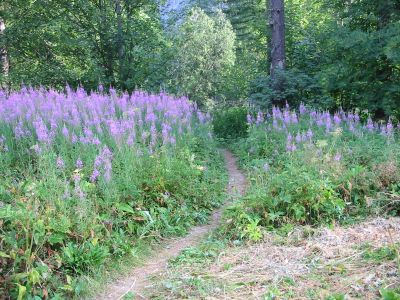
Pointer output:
x,y
138,279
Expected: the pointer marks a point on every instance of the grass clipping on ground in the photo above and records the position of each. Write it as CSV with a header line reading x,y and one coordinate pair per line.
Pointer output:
x,y
309,263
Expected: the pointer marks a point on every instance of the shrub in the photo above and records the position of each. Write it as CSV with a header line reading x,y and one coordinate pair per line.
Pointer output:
x,y
230,123
295,85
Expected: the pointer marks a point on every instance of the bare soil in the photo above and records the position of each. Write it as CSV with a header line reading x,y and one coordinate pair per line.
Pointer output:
x,y
138,279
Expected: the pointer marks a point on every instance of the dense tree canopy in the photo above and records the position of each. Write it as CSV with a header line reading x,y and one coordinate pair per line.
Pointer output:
x,y
82,42
338,53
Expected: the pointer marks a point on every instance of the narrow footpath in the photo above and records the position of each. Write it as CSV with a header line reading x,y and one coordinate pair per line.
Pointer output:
x,y
137,280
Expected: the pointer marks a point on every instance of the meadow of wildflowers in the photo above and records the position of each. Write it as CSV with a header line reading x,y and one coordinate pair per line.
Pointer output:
x,y
309,166
86,177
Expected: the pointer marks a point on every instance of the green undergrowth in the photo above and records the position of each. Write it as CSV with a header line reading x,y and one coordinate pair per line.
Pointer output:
x,y
230,123
338,176
52,248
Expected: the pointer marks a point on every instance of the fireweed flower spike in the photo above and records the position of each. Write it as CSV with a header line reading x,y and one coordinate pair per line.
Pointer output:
x,y
336,119
79,163
260,118
249,119
60,163
302,109
309,134
338,157
370,125
298,137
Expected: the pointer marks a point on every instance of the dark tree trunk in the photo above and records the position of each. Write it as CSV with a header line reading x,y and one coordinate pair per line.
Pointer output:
x,y
107,49
5,63
120,42
277,42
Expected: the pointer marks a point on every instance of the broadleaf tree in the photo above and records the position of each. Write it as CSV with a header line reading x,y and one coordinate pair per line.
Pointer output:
x,y
203,52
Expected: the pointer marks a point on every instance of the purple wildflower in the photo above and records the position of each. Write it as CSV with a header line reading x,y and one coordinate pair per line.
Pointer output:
x,y
60,163
65,132
79,163
302,109
336,119
290,147
94,175
74,138
309,134
337,157
286,117
249,119
356,118
298,137
370,125
96,141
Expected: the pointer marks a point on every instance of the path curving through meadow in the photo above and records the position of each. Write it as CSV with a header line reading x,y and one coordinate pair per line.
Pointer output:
x,y
137,280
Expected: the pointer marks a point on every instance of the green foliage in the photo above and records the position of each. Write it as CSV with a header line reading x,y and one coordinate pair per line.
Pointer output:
x,y
330,177
203,53
296,86
68,237
382,253
347,50
80,258
336,297
83,43
389,294
43,237
230,123
248,19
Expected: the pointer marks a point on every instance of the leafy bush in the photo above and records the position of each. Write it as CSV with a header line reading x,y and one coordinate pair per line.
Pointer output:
x,y
314,167
295,85
84,178
230,123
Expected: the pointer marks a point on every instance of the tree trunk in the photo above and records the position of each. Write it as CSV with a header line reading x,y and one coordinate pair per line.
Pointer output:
x,y
120,42
277,43
3,53
107,48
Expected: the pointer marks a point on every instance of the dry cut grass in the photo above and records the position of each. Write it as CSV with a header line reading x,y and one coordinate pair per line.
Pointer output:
x,y
355,262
